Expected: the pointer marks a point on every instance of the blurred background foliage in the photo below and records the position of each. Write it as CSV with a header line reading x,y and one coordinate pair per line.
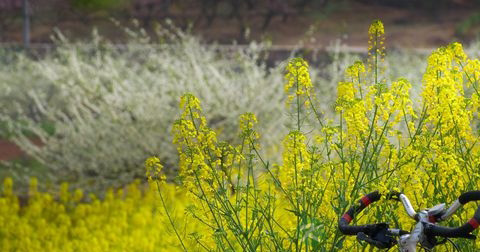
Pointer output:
x,y
259,19
95,5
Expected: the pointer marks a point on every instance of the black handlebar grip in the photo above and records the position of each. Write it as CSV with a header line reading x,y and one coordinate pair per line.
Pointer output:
x,y
469,196
462,231
343,223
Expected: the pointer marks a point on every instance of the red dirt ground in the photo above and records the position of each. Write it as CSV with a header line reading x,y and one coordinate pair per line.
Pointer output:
x,y
10,151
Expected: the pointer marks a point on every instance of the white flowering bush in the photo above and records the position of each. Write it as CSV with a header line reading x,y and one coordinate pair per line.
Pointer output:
x,y
99,110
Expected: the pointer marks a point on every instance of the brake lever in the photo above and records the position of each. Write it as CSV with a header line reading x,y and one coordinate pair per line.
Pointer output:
x,y
378,236
379,244
363,237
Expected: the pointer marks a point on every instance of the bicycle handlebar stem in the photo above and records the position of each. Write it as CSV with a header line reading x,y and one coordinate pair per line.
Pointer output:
x,y
408,206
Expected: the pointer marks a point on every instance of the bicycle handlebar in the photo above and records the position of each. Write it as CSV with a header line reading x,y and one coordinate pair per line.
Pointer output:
x,y
366,200
432,229
381,236
469,196
464,230
378,235
343,223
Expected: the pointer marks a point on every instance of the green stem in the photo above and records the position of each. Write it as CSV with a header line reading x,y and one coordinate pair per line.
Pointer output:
x,y
169,217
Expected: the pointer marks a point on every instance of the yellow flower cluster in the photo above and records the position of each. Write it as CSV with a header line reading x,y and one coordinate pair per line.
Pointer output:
x,y
352,109
472,70
128,219
154,170
295,160
196,143
298,77
376,49
247,124
356,74
298,81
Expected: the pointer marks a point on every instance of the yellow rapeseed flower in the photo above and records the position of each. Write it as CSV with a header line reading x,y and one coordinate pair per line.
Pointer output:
x,y
153,169
298,79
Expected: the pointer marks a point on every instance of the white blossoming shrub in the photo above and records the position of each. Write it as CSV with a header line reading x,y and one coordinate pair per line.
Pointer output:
x,y
99,110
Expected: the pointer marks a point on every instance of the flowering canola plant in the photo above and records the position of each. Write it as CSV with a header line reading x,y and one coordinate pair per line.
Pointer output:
x,y
378,141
